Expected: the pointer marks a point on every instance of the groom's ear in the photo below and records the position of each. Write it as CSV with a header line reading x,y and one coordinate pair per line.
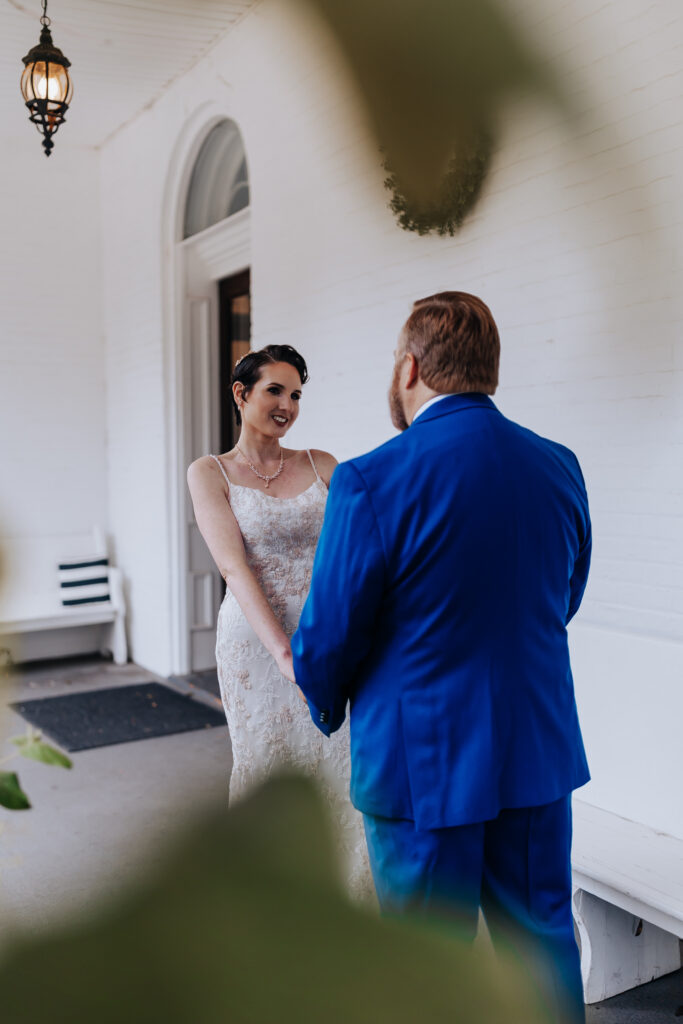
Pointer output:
x,y
411,371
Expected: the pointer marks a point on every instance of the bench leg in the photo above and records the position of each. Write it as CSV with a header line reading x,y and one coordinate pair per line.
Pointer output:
x,y
619,951
117,635
114,641
119,646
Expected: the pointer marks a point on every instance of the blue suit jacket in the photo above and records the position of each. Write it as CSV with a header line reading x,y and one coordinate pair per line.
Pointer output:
x,y
450,562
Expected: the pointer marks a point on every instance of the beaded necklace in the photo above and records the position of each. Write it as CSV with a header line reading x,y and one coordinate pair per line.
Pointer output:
x,y
263,476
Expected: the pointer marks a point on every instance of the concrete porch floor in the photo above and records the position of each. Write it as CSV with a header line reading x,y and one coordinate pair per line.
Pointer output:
x,y
115,809
119,805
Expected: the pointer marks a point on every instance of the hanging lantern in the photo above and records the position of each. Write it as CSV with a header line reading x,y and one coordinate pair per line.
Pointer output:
x,y
46,85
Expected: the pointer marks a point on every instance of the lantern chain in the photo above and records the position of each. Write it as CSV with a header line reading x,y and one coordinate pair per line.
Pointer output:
x,y
44,19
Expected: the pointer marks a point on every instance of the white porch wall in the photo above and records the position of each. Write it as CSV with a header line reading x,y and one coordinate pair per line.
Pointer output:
x,y
576,248
52,441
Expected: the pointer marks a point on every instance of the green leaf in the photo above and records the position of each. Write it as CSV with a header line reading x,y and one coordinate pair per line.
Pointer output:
x,y
32,746
11,793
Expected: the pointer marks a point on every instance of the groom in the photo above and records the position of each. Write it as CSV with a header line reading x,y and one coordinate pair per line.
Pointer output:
x,y
450,562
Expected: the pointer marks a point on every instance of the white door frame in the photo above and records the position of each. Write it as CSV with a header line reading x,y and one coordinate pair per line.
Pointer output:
x,y
190,266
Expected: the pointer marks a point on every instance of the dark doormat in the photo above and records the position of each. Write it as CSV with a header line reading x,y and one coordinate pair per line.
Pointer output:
x,y
101,718
205,680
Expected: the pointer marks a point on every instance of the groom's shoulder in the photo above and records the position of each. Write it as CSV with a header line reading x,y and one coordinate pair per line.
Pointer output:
x,y
557,452
379,460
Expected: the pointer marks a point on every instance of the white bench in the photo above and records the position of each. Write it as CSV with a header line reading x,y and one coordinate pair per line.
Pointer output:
x,y
34,624
627,902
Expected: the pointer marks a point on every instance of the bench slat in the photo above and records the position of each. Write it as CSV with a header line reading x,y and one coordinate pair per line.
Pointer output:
x,y
630,865
65,617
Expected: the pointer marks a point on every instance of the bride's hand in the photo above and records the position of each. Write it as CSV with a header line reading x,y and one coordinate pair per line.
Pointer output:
x,y
285,664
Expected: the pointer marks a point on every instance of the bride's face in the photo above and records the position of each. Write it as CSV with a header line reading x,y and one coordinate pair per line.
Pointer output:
x,y
272,405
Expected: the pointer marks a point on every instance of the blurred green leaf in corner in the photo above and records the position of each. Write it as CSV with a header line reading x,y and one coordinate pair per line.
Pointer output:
x,y
247,922
435,76
12,795
32,746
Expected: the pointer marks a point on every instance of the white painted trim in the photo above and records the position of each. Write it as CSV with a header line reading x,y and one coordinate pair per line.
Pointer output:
x,y
224,248
216,231
220,250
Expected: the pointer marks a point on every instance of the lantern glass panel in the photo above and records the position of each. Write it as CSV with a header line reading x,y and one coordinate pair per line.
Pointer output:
x,y
46,81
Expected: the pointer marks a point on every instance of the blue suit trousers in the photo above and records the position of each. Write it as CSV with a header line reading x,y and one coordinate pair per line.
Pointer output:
x,y
516,867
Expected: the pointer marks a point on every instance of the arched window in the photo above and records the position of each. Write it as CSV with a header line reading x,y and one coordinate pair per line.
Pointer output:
x,y
219,185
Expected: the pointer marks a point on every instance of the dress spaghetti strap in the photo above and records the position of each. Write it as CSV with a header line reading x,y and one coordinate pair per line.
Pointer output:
x,y
315,468
220,466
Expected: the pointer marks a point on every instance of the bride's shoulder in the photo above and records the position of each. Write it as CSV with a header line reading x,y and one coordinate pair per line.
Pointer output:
x,y
325,463
206,467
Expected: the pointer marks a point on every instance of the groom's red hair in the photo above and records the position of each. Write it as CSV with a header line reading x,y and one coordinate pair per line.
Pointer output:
x,y
455,340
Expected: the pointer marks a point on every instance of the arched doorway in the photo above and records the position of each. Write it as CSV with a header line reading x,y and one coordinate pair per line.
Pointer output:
x,y
210,314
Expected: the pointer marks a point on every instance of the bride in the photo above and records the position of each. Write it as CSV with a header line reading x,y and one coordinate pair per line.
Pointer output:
x,y
260,509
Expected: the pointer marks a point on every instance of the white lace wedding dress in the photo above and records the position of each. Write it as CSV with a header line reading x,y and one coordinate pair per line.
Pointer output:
x,y
269,724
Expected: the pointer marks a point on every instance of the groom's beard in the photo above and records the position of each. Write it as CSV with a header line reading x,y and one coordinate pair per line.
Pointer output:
x,y
398,416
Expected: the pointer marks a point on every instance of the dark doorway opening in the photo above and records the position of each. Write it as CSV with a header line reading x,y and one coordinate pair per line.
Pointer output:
x,y
235,341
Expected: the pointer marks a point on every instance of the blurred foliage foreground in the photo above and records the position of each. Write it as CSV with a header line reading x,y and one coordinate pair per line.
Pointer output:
x,y
247,921
32,746
436,77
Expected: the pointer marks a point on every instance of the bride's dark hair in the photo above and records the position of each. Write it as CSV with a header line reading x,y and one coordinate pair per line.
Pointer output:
x,y
248,370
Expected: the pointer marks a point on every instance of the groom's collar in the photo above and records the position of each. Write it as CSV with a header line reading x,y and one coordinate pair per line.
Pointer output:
x,y
442,405
432,401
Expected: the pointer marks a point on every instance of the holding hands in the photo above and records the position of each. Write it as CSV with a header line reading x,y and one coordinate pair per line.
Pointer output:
x,y
286,667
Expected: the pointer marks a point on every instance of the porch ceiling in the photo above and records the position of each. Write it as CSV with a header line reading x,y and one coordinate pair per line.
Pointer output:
x,y
124,53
